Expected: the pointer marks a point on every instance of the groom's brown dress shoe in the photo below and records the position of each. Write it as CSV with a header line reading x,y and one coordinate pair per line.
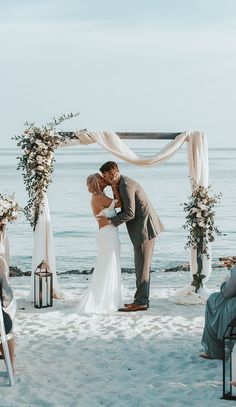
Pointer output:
x,y
133,308
131,303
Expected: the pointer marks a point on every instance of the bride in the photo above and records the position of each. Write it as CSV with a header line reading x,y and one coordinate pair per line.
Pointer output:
x,y
104,293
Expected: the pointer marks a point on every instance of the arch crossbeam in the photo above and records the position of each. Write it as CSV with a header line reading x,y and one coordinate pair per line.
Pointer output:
x,y
134,135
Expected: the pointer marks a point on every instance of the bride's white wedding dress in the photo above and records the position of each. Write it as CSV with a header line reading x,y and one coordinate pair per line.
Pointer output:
x,y
104,293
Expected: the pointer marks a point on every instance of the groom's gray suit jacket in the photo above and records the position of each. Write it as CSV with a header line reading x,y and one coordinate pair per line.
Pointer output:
x,y
137,211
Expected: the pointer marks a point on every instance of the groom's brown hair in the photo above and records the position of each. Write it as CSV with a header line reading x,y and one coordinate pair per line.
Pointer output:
x,y
108,166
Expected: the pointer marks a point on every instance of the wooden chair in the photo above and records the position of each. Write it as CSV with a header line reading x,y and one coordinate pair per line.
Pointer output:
x,y
5,348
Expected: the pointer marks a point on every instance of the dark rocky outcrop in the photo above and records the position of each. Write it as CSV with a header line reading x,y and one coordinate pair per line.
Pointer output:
x,y
16,272
181,267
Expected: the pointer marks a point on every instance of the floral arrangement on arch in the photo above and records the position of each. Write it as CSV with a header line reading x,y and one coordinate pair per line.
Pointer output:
x,y
9,209
200,222
38,145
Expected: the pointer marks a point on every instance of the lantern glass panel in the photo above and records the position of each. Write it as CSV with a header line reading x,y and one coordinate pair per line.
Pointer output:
x,y
43,287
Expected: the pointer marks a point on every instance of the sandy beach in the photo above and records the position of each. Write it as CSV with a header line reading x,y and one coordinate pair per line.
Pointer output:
x,y
151,86
147,358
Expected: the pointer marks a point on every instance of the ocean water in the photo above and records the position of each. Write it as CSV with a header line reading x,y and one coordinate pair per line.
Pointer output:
x,y
74,226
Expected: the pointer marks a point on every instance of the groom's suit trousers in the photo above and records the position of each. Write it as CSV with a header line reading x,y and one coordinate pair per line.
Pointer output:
x,y
142,260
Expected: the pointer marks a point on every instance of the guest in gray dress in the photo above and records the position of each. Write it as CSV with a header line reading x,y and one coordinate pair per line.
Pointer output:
x,y
220,311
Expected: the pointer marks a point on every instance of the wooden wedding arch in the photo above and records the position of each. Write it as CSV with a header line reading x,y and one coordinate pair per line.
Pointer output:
x,y
111,141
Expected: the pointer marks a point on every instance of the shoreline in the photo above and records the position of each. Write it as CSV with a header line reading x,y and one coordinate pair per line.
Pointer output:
x,y
17,272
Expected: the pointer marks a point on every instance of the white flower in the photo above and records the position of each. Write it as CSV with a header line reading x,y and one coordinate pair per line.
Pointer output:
x,y
39,159
40,168
8,208
6,205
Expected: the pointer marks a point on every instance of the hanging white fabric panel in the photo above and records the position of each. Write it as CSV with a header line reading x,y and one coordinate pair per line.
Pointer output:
x,y
4,245
44,248
198,171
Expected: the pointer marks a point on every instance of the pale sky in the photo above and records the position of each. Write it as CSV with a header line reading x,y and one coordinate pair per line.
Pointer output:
x,y
127,65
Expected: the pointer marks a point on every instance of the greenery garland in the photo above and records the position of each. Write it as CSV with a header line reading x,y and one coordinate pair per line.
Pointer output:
x,y
200,222
37,161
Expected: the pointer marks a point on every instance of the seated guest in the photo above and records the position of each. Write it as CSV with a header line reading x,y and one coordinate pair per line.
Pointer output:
x,y
220,311
9,306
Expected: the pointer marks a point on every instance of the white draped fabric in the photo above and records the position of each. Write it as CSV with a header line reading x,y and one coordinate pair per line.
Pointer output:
x,y
4,245
198,166
43,248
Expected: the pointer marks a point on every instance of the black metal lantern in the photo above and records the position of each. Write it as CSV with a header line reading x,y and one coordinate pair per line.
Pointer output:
x,y
43,286
229,361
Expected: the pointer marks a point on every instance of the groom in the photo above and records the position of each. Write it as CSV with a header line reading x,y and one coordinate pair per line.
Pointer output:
x,y
143,226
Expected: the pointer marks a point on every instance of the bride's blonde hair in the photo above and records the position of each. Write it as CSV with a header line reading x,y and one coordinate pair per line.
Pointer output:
x,y
93,183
